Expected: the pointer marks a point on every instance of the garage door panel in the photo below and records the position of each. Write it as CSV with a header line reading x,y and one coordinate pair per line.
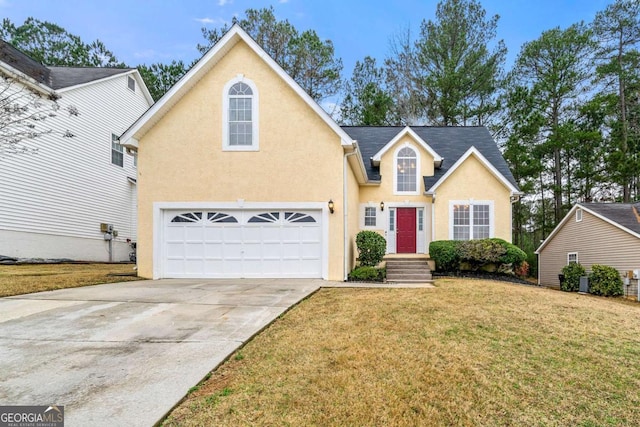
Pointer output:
x,y
243,243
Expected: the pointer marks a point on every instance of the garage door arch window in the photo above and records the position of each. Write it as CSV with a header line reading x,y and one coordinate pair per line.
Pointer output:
x,y
220,217
187,217
298,217
266,217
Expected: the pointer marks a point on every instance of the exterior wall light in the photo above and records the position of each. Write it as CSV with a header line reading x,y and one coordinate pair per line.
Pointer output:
x,y
331,206
382,206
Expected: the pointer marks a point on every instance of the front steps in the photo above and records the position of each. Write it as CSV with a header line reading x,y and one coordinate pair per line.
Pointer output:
x,y
408,270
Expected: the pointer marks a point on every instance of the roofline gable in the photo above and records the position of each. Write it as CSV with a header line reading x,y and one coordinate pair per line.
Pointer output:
x,y
569,214
473,151
139,128
404,132
125,72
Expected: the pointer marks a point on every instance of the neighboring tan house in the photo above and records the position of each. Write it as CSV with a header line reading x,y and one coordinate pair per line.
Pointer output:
x,y
242,174
53,201
593,233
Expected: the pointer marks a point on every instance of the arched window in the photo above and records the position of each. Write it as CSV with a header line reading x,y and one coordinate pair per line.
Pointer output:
x,y
240,129
406,171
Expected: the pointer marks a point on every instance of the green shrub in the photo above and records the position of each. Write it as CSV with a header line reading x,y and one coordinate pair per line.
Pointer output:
x,y
513,255
371,248
572,273
445,254
479,252
605,281
368,274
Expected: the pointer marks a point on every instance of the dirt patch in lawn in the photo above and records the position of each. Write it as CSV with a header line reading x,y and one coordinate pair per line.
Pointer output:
x,y
28,278
468,353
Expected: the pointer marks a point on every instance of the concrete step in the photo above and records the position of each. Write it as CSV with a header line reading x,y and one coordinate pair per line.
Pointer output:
x,y
407,276
408,270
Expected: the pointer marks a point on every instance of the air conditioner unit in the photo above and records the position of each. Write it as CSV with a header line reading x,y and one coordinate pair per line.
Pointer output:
x,y
584,285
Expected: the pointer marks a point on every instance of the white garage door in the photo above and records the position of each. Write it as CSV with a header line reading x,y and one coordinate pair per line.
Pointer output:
x,y
242,243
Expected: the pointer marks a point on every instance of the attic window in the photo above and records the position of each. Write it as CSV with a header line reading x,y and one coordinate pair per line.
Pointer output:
x,y
131,83
578,215
240,115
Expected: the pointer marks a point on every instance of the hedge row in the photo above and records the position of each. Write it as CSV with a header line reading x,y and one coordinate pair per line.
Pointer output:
x,y
457,255
603,280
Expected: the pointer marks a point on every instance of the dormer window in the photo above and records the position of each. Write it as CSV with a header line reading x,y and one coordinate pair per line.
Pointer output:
x,y
406,171
240,130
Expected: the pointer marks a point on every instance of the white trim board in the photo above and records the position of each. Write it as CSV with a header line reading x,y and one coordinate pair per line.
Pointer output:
x,y
404,132
475,152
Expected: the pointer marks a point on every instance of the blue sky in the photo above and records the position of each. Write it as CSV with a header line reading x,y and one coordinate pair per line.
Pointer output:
x,y
146,31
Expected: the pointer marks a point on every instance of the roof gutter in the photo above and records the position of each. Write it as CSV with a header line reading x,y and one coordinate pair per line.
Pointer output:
x,y
28,81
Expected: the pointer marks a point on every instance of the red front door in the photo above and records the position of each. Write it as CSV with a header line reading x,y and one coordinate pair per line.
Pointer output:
x,y
406,231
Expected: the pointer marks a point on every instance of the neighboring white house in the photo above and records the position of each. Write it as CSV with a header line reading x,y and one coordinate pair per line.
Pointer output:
x,y
53,202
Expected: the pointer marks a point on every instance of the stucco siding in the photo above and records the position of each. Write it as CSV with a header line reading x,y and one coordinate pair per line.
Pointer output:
x,y
595,241
473,181
181,159
385,191
69,186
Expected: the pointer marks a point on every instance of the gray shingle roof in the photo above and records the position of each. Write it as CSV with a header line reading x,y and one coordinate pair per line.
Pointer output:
x,y
53,77
62,77
450,142
23,63
620,213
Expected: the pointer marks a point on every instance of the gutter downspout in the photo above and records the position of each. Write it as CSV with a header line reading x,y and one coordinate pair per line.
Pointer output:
x,y
344,207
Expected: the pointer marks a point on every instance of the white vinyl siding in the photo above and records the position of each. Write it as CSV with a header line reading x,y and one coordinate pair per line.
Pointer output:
x,y
594,241
69,187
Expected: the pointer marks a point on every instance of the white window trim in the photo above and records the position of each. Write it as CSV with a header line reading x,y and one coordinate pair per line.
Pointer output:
x,y
255,116
578,215
569,256
395,171
112,149
364,217
131,78
492,217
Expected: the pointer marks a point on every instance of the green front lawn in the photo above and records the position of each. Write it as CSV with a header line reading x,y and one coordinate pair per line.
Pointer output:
x,y
467,353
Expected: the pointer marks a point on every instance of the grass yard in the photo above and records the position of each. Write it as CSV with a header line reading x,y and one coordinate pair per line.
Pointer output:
x,y
468,353
27,278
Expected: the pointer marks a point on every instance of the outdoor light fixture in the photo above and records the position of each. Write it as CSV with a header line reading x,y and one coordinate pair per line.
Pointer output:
x,y
331,206
382,206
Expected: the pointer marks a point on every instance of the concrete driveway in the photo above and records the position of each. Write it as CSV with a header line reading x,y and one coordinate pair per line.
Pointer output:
x,y
124,354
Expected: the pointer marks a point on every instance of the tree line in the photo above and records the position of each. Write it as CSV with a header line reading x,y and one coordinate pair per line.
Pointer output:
x,y
566,113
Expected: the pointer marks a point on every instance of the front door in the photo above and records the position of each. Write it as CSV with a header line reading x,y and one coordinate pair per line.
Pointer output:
x,y
406,231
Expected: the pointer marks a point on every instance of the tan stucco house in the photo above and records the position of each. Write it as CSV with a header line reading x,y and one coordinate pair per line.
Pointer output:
x,y
594,233
242,174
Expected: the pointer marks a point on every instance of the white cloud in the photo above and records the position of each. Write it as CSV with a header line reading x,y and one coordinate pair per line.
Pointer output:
x,y
204,20
4,3
223,2
207,20
283,1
